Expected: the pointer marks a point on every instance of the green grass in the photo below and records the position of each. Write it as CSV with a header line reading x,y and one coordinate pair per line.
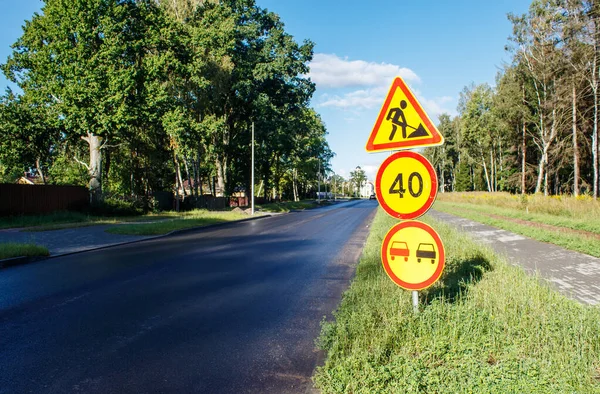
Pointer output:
x,y
485,327
582,222
195,218
291,205
8,250
572,241
43,220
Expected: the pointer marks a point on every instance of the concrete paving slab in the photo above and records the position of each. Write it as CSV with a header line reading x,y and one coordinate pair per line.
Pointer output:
x,y
574,274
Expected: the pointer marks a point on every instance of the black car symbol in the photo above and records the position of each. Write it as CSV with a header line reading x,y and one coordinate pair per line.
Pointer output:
x,y
426,251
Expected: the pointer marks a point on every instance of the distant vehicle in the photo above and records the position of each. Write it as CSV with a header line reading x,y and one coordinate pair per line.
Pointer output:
x,y
399,249
426,251
372,197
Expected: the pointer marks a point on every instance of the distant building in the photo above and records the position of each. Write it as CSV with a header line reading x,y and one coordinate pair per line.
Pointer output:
x,y
30,178
367,189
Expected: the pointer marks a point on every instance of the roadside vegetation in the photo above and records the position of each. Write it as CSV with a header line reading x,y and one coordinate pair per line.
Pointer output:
x,y
292,205
484,326
66,219
8,250
179,221
570,222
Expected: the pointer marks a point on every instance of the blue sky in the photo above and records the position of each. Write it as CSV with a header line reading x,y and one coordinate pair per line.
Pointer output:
x,y
438,47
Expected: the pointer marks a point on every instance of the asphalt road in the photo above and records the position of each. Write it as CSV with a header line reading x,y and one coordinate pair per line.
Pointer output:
x,y
233,309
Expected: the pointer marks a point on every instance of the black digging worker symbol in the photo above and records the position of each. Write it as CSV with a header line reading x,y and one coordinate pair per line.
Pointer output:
x,y
399,120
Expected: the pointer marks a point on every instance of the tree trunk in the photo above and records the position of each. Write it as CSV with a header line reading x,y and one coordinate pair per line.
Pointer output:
x,y
38,167
485,170
95,167
575,145
523,158
295,183
541,172
595,144
189,177
595,72
178,179
221,166
492,170
546,178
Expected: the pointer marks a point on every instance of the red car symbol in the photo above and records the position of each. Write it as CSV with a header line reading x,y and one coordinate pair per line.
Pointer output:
x,y
400,249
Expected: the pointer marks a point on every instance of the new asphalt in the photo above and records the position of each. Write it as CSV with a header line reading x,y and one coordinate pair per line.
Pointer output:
x,y
230,309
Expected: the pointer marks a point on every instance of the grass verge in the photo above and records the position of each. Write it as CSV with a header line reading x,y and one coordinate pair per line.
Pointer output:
x,y
484,327
572,241
44,220
8,250
195,218
291,205
581,222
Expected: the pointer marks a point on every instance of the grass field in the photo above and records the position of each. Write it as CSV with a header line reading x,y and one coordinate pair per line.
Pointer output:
x,y
573,223
8,250
556,206
178,221
485,327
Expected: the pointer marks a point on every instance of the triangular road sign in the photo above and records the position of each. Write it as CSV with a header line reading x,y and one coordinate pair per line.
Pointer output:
x,y
402,123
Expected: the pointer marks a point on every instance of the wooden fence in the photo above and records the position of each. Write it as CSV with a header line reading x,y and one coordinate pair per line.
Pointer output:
x,y
36,199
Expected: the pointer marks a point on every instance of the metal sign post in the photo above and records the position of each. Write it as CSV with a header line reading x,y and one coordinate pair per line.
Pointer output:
x,y
412,253
415,299
252,170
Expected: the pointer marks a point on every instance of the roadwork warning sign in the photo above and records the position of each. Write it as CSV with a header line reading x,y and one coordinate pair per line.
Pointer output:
x,y
402,123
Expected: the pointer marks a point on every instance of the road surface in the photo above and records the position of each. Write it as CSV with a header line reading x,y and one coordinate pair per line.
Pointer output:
x,y
233,309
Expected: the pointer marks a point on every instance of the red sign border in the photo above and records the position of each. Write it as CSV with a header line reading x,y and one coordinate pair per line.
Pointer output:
x,y
432,194
435,139
441,253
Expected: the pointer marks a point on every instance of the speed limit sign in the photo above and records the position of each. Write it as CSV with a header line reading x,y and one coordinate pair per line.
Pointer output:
x,y
406,185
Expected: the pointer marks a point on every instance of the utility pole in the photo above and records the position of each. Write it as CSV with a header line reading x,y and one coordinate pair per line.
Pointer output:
x,y
334,188
252,171
319,183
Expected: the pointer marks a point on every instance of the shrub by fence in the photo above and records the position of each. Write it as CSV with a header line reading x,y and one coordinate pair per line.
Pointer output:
x,y
35,199
244,201
204,202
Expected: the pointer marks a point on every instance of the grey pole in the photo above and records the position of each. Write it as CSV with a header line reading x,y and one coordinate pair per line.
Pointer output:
x,y
252,170
415,301
319,183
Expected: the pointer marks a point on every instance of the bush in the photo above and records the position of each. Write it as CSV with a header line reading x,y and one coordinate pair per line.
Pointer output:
x,y
112,206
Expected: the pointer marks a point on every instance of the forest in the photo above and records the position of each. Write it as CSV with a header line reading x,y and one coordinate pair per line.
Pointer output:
x,y
536,130
130,97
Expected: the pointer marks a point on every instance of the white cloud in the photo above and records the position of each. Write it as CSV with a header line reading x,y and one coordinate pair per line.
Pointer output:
x,y
370,172
370,81
373,98
359,99
331,71
436,106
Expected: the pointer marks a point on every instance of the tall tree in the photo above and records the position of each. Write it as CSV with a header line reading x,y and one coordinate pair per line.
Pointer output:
x,y
85,58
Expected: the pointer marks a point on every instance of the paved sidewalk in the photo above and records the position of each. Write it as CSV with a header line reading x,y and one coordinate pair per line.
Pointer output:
x,y
70,240
574,274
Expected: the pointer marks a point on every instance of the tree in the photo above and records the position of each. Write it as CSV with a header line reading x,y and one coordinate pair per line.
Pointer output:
x,y
358,177
85,59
